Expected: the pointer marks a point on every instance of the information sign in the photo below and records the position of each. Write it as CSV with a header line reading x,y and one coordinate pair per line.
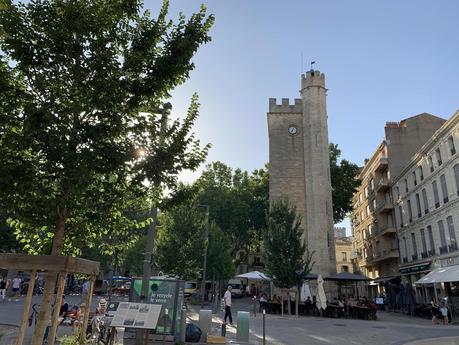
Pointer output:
x,y
136,315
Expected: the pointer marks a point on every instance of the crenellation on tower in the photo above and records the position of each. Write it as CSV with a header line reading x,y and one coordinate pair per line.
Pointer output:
x,y
285,106
312,78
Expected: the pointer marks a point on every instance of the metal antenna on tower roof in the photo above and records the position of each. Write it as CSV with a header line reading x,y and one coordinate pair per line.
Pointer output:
x,y
312,63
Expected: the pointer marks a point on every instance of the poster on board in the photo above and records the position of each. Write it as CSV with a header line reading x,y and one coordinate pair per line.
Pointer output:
x,y
136,315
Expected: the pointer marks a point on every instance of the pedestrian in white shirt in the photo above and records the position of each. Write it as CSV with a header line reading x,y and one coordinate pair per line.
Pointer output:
x,y
16,287
227,299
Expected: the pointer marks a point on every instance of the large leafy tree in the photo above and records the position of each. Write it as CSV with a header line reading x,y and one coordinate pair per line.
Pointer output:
x,y
344,183
287,257
179,242
288,260
81,82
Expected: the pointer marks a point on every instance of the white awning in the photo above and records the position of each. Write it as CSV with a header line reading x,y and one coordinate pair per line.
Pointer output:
x,y
254,275
441,275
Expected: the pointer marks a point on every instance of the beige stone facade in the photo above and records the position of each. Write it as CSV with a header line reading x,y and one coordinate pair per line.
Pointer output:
x,y
299,165
375,244
343,249
426,195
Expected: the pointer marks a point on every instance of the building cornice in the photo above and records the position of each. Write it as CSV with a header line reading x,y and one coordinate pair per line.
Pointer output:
x,y
427,147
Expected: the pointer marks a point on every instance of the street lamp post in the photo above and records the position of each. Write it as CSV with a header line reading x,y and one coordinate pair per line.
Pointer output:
x,y
206,239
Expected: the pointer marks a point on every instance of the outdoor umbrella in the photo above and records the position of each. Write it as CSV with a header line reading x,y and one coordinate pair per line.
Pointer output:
x,y
348,277
254,275
321,302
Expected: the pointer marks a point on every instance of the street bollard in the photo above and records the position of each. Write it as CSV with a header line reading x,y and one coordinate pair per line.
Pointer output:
x,y
254,306
243,326
264,327
166,312
223,329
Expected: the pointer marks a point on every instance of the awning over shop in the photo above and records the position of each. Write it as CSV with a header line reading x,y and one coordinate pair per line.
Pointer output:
x,y
415,268
384,279
441,275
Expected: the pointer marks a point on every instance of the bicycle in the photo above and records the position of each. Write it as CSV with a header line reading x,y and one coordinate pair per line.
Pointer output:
x,y
98,333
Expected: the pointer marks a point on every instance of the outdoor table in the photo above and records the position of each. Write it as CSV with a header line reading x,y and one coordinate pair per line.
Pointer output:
x,y
334,310
274,307
360,312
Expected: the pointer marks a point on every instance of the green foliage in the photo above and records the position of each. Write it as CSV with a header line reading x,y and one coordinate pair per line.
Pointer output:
x,y
179,242
134,256
287,257
344,183
80,87
237,202
220,265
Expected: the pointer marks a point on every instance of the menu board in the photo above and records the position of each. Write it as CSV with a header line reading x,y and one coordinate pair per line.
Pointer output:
x,y
136,315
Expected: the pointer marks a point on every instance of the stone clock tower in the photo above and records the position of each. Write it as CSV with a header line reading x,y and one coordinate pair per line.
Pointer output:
x,y
300,165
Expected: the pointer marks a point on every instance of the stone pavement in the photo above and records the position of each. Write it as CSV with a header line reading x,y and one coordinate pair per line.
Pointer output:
x,y
389,329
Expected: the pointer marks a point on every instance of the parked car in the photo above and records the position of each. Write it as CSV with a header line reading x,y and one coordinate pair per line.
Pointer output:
x,y
191,288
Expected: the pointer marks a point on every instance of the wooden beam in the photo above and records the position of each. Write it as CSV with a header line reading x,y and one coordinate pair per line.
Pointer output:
x,y
25,311
53,263
57,307
86,311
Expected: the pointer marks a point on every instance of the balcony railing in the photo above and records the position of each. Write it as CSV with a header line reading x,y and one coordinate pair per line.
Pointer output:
x,y
382,186
384,206
443,250
388,230
382,164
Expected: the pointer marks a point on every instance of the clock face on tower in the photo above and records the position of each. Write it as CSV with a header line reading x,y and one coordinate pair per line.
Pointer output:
x,y
292,130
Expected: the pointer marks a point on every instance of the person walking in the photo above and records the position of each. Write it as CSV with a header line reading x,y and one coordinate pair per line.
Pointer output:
x,y
16,287
227,300
84,290
2,289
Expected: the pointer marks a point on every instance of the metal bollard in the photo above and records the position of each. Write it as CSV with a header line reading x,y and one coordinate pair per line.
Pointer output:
x,y
264,327
166,312
223,329
254,306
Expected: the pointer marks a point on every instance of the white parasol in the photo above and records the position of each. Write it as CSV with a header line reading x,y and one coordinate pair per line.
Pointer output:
x,y
254,275
321,302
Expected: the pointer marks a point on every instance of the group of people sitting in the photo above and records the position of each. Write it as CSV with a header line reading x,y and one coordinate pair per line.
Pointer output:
x,y
339,307
74,316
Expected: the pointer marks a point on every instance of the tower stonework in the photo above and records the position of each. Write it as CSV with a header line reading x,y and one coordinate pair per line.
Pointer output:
x,y
300,165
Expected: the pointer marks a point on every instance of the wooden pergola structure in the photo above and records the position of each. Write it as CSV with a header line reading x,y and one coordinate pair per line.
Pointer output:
x,y
61,265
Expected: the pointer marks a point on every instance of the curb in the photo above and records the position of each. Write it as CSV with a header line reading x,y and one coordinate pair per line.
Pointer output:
x,y
9,338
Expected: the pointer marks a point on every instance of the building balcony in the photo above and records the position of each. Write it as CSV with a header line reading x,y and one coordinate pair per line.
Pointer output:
x,y
382,164
388,230
383,255
382,185
384,207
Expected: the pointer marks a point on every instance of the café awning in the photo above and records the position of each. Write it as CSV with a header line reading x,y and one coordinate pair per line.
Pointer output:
x,y
254,275
441,275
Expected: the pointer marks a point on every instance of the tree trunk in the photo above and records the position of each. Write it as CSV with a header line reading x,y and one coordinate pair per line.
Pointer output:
x,y
297,300
289,307
50,283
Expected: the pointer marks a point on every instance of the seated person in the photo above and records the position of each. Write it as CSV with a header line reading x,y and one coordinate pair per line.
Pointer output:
x,y
102,307
64,308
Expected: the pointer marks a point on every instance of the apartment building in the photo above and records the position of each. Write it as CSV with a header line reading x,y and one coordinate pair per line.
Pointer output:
x,y
426,195
375,243
343,248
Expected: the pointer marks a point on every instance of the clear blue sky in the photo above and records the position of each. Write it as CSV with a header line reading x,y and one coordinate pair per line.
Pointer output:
x,y
384,61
